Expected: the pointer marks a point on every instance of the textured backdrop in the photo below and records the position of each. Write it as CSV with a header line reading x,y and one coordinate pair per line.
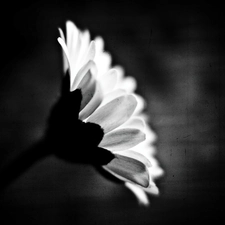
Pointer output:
x,y
176,54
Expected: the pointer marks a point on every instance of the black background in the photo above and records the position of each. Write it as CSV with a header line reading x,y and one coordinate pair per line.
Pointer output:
x,y
176,54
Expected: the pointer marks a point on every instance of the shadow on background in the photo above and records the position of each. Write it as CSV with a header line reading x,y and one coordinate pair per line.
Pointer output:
x,y
176,54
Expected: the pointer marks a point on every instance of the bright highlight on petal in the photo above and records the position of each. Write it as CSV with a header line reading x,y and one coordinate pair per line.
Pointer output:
x,y
65,54
108,100
114,113
135,122
93,104
90,54
135,155
108,80
87,86
152,189
81,73
129,168
122,139
139,193
112,95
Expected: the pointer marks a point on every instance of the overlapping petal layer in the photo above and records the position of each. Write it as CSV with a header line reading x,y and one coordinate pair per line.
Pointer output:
x,y
114,113
108,100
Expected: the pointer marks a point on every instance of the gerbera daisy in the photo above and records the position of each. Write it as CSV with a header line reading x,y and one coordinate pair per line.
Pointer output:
x,y
108,101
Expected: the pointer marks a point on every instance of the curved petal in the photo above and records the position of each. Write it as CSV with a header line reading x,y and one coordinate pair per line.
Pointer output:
x,y
112,95
150,135
122,139
99,44
92,105
135,155
114,113
90,53
65,61
71,33
62,34
145,149
139,193
84,45
65,54
129,84
108,80
152,189
156,170
87,86
141,104
135,122
129,168
103,62
81,73
120,72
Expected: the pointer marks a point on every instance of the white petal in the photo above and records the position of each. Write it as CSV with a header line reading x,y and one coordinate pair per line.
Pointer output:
x,y
150,135
72,42
108,80
129,84
139,193
145,149
65,61
114,113
141,104
103,62
93,104
99,43
112,95
135,155
90,54
65,53
118,176
122,139
129,168
120,72
75,53
87,86
135,122
152,189
62,34
156,170
71,29
84,40
81,73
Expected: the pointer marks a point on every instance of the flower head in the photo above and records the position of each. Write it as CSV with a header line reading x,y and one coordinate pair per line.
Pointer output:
x,y
108,100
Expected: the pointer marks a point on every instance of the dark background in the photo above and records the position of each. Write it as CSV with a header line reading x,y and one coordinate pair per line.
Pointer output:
x,y
176,53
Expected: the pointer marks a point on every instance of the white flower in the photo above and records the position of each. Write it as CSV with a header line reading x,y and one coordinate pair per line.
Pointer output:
x,y
108,100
